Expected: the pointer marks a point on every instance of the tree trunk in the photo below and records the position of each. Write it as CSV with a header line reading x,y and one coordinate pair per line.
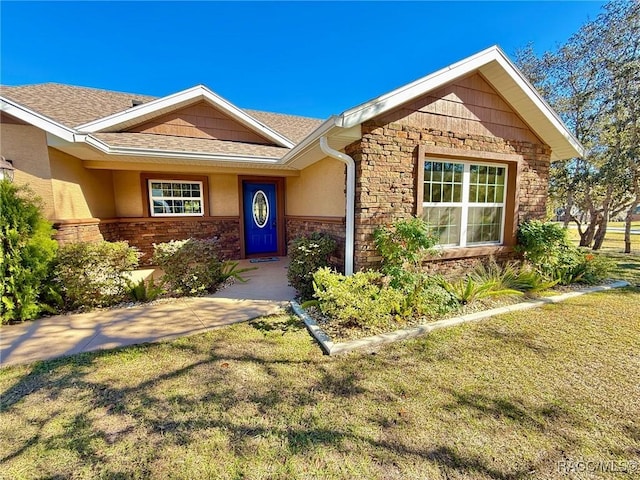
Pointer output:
x,y
598,238
567,212
586,236
627,225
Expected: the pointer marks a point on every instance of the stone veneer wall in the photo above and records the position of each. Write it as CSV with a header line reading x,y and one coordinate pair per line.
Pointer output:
x,y
78,231
334,227
144,232
386,159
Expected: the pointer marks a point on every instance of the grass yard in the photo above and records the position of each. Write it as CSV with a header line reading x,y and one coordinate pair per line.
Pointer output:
x,y
507,398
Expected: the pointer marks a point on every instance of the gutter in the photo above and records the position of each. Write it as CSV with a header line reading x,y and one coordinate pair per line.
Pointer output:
x,y
350,210
156,153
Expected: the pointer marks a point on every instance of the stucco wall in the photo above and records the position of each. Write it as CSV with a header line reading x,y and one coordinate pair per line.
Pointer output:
x,y
127,194
26,146
78,192
223,194
318,191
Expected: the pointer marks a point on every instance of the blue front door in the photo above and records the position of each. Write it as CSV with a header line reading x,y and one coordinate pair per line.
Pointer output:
x,y
260,224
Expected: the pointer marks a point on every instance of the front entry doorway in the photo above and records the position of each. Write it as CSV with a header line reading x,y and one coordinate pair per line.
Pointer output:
x,y
262,222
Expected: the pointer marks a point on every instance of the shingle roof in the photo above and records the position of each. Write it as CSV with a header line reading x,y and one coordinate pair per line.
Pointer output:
x,y
70,105
293,127
73,106
188,144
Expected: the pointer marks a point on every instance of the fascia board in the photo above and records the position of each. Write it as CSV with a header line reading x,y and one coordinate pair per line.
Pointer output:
x,y
146,152
406,93
36,119
391,100
177,99
540,103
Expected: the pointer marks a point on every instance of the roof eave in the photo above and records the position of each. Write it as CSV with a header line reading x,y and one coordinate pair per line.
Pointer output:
x,y
156,107
562,142
36,119
165,153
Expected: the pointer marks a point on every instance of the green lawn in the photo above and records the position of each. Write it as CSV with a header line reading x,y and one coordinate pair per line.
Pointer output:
x,y
507,398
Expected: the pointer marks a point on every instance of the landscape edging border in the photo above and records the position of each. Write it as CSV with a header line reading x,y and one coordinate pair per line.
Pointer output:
x,y
331,348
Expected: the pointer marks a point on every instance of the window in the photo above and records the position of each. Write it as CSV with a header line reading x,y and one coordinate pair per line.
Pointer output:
x,y
465,202
172,198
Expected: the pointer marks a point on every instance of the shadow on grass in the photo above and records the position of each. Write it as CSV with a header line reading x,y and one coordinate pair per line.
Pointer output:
x,y
275,324
520,339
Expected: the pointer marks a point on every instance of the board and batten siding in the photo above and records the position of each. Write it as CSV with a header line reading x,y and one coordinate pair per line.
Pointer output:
x,y
200,121
469,105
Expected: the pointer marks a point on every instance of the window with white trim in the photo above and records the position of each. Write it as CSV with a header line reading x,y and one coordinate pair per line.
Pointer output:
x,y
175,198
464,202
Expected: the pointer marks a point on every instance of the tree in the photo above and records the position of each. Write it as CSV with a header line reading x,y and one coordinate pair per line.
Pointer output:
x,y
26,253
593,82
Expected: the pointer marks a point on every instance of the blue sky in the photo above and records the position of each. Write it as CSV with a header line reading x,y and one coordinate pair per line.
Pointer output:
x,y
305,58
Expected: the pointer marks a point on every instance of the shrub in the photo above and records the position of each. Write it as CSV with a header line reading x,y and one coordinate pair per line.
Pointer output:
x,y
191,267
510,276
144,290
27,252
597,268
467,290
404,245
546,247
94,274
360,300
306,256
433,300
581,266
229,269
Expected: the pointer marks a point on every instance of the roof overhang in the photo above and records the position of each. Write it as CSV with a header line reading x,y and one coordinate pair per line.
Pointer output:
x,y
176,154
147,111
36,119
507,80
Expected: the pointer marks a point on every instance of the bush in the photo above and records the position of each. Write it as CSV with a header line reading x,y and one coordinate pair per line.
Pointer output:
x,y
432,301
468,290
191,267
360,300
404,246
510,276
27,252
94,274
306,256
546,247
144,290
542,243
581,266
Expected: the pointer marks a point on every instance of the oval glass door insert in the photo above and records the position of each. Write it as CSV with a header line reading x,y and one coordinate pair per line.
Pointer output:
x,y
260,209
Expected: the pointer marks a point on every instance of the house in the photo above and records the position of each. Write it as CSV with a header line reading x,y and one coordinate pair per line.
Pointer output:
x,y
467,147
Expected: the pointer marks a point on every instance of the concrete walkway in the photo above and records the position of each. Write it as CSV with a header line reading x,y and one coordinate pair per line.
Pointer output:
x,y
265,293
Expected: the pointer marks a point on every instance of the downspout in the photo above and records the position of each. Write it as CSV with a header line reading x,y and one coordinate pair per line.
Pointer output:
x,y
351,194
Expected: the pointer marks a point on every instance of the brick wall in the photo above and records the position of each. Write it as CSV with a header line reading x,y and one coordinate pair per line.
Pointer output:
x,y
80,231
386,158
144,232
334,227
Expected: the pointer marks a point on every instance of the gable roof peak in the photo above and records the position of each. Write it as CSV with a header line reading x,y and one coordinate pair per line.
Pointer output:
x,y
159,106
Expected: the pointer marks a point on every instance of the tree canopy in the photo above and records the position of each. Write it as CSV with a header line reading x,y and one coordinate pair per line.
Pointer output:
x,y
593,82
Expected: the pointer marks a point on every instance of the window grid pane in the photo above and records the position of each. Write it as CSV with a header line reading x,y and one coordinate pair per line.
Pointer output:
x,y
445,223
445,209
172,198
486,184
443,182
484,224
